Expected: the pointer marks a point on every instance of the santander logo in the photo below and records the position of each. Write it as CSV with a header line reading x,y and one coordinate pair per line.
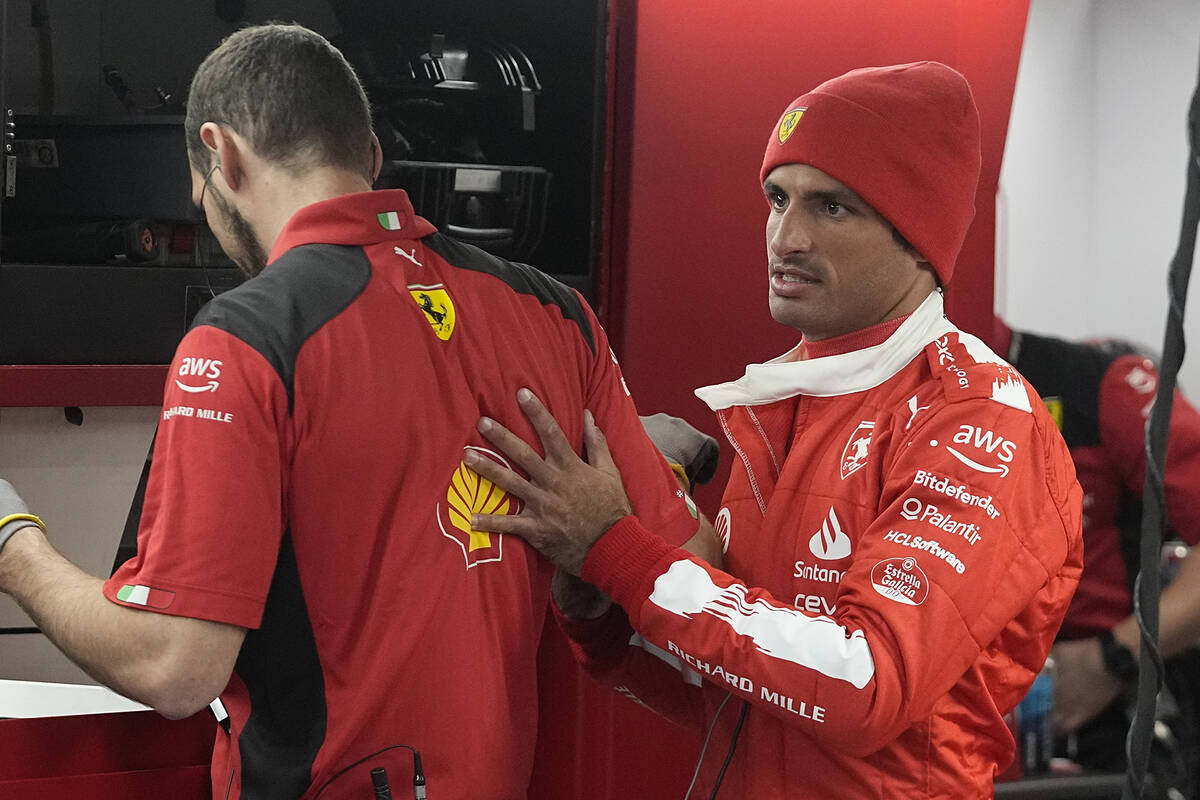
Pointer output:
x,y
722,523
830,543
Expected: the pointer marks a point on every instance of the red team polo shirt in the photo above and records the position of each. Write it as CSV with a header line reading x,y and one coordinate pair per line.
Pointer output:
x,y
1102,393
308,484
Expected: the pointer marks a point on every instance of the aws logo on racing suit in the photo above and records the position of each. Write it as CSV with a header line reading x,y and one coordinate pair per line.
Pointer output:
x,y
982,441
199,368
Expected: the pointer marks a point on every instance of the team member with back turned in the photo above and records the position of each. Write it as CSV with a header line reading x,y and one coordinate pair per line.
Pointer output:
x,y
305,550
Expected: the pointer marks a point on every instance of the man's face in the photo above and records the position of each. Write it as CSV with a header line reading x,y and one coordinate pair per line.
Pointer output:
x,y
233,231
834,264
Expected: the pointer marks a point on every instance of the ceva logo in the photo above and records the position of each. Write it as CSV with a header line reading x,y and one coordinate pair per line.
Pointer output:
x,y
199,369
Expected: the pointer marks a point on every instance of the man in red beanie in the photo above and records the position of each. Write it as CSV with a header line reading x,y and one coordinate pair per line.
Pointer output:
x,y
902,523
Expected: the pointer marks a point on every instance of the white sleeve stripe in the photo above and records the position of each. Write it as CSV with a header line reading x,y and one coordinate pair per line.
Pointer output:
x,y
690,676
818,643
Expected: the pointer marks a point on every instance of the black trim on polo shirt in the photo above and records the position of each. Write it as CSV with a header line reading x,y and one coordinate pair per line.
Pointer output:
x,y
521,278
279,310
282,672
1072,371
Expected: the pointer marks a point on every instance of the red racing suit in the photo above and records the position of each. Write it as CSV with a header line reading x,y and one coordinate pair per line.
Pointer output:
x,y
902,532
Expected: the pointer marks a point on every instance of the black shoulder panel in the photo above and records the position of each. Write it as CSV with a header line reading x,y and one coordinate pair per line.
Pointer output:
x,y
282,672
1072,371
277,311
522,278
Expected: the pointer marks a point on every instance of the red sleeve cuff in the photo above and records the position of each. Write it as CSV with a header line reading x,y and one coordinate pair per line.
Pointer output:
x,y
598,643
625,562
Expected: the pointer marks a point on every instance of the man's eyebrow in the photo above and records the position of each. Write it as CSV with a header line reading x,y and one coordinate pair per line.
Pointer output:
x,y
843,196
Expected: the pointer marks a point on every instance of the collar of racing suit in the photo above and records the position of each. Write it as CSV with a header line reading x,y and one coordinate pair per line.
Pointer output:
x,y
855,371
856,340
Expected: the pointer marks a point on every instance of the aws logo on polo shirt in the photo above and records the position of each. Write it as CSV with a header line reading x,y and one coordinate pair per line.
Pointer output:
x,y
471,493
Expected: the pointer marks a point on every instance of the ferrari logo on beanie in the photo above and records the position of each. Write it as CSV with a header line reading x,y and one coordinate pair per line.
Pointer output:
x,y
789,122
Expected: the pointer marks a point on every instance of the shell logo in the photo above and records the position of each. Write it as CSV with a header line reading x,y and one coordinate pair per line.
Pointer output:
x,y
471,493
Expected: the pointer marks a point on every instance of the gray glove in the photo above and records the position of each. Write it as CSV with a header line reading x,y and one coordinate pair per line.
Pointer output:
x,y
695,452
14,514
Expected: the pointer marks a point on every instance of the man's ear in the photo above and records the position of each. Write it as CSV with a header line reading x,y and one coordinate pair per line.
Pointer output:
x,y
376,157
226,145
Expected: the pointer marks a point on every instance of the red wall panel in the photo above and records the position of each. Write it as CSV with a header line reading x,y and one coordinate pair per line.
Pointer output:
x,y
697,89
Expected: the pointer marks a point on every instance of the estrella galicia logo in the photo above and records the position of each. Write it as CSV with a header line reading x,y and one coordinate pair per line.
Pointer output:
x,y
901,580
471,493
193,370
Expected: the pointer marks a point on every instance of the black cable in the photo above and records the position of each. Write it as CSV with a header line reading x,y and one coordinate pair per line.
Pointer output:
x,y
704,747
737,729
1147,585
418,772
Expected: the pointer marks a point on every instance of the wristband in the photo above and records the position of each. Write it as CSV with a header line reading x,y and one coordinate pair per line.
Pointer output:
x,y
23,518
1119,660
13,523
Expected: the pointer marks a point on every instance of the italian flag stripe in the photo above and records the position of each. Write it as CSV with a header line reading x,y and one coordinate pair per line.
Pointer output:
x,y
390,220
137,595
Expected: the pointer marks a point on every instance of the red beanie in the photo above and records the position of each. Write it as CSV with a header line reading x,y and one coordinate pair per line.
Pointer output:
x,y
905,138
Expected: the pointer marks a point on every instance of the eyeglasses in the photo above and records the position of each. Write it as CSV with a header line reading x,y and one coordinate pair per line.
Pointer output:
x,y
204,188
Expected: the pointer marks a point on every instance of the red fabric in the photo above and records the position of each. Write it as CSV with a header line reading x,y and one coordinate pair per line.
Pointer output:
x,y
352,457
857,340
879,617
905,138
